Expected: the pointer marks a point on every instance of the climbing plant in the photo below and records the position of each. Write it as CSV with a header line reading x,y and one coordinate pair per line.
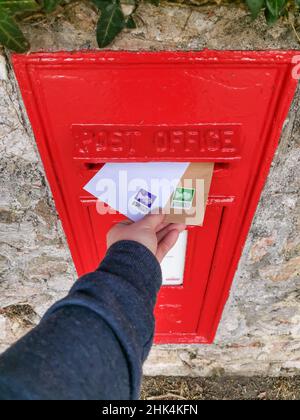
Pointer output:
x,y
112,19
273,9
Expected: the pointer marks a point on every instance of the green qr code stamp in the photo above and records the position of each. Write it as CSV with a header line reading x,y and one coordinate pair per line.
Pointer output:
x,y
183,198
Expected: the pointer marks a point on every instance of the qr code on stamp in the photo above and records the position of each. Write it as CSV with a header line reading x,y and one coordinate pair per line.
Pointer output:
x,y
144,200
140,207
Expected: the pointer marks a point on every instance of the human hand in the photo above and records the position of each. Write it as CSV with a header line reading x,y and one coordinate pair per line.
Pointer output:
x,y
152,232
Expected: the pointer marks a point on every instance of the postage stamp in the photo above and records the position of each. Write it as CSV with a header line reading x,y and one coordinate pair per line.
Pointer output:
x,y
144,200
183,198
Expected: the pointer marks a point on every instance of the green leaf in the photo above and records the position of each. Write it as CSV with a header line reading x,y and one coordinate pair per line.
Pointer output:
x,y
19,6
276,7
102,4
255,7
111,23
50,5
271,19
10,34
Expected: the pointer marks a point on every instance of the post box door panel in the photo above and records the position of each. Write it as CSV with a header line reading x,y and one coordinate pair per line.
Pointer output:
x,y
90,108
179,306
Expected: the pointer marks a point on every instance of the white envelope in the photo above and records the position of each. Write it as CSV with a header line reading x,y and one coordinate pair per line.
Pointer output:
x,y
136,189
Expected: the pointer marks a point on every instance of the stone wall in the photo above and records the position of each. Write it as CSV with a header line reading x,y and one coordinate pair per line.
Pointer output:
x,y
260,330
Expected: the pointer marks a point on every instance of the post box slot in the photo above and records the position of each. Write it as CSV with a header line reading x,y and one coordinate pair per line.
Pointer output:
x,y
91,166
95,167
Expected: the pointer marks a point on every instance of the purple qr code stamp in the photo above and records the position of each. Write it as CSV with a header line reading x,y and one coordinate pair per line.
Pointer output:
x,y
145,198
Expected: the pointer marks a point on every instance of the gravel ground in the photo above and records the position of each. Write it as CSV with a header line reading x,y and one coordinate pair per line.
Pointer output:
x,y
238,388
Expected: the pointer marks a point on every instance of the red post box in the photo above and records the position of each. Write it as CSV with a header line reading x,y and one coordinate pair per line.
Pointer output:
x,y
224,107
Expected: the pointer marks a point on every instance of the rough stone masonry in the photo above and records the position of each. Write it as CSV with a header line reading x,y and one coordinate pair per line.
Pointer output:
x,y
260,330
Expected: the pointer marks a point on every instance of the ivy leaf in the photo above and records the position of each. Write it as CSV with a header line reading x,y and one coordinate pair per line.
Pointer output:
x,y
255,7
10,34
102,4
51,5
271,19
19,6
276,7
112,21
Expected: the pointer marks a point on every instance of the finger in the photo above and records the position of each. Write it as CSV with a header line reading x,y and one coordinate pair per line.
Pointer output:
x,y
180,227
163,232
167,244
152,221
161,226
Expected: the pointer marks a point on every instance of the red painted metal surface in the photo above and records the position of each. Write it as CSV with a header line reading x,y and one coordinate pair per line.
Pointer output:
x,y
227,107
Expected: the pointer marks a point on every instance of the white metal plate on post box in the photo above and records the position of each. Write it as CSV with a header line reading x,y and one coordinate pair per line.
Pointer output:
x,y
174,262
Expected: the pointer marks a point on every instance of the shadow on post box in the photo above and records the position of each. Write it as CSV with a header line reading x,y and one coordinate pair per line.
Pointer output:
x,y
223,107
